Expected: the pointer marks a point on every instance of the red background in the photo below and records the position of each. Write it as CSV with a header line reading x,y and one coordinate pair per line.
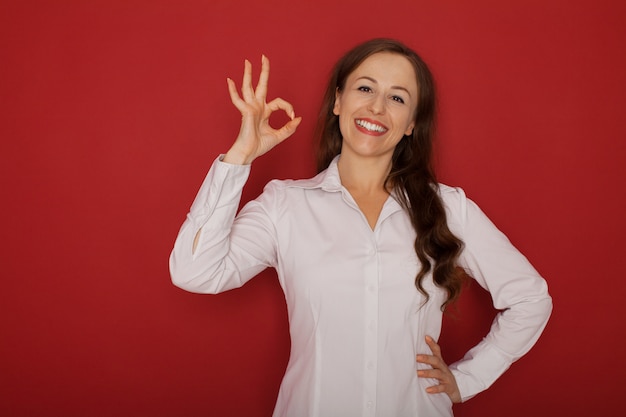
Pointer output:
x,y
112,111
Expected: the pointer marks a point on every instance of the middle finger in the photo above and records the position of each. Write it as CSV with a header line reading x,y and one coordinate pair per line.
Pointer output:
x,y
246,84
261,88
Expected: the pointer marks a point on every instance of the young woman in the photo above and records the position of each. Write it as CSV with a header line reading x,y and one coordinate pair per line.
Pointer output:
x,y
368,252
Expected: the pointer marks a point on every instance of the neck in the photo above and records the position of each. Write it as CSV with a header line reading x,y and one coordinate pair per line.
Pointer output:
x,y
365,175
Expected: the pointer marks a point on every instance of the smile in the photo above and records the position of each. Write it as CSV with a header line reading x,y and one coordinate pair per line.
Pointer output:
x,y
370,127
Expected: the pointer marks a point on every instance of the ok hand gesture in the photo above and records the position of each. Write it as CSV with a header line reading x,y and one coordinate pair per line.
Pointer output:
x,y
256,136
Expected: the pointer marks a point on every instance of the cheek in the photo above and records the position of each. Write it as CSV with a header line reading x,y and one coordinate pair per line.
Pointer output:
x,y
343,126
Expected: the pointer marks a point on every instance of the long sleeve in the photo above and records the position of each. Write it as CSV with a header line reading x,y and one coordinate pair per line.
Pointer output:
x,y
229,250
516,289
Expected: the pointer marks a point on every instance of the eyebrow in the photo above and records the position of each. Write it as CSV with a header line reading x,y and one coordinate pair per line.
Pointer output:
x,y
397,87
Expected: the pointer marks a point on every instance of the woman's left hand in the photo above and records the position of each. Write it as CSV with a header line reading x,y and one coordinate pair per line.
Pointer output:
x,y
440,371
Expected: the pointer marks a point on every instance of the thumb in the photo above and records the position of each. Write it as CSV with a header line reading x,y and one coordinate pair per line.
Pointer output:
x,y
289,128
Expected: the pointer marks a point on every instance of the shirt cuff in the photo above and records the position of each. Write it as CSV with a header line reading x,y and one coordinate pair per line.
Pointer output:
x,y
480,367
222,186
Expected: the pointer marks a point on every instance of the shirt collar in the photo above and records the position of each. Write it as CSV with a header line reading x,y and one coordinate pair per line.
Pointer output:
x,y
327,180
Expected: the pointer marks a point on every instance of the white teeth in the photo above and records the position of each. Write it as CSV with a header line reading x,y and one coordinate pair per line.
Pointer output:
x,y
370,126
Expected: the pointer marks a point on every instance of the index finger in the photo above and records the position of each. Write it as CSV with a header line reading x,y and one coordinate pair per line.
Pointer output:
x,y
434,347
261,88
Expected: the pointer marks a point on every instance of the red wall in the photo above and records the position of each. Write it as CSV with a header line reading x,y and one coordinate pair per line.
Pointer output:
x,y
112,111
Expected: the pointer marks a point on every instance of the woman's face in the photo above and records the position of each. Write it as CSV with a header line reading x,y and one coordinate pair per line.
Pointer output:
x,y
377,105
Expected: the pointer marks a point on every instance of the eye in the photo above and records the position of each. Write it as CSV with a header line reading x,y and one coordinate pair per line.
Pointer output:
x,y
398,99
365,89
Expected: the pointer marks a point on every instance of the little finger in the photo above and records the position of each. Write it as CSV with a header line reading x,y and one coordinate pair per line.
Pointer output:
x,y
436,389
234,95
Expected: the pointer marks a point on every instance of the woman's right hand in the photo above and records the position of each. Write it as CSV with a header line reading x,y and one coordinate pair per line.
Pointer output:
x,y
256,136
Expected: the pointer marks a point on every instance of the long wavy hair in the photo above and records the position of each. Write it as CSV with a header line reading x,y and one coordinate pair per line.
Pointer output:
x,y
412,176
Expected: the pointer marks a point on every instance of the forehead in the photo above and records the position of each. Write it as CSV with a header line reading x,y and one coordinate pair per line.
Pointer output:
x,y
387,67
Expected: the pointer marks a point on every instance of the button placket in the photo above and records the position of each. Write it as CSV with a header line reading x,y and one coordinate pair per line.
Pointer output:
x,y
372,271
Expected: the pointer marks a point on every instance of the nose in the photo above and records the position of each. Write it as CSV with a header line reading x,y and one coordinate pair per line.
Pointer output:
x,y
377,104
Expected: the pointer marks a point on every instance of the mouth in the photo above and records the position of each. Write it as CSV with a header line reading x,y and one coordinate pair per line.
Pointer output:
x,y
370,127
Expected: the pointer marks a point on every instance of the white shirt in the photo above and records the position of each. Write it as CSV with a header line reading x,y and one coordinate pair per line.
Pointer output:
x,y
356,319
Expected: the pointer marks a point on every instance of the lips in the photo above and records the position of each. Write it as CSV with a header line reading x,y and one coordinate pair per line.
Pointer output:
x,y
370,127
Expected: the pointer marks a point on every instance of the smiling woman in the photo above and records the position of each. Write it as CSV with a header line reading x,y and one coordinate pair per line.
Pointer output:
x,y
368,252
376,108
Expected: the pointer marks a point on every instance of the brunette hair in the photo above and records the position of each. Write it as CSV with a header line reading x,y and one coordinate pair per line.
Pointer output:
x,y
412,176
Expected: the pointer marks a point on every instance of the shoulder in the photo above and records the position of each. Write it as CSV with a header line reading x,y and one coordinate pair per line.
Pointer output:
x,y
463,214
307,183
325,180
455,203
283,193
451,197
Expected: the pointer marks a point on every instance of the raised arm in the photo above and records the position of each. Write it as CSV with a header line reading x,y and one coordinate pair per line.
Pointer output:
x,y
214,251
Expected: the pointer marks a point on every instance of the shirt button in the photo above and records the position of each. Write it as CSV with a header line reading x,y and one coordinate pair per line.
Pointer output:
x,y
370,366
370,404
371,288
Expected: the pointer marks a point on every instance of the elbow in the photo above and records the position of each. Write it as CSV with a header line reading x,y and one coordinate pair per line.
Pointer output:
x,y
547,306
545,302
539,310
183,276
192,283
189,277
540,307
180,278
540,304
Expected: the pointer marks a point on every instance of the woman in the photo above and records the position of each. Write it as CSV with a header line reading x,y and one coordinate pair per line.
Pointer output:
x,y
368,252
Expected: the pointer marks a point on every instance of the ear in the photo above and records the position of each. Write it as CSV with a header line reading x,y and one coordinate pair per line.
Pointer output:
x,y
409,129
337,105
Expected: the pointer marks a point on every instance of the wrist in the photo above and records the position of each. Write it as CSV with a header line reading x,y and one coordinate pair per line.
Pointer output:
x,y
235,157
